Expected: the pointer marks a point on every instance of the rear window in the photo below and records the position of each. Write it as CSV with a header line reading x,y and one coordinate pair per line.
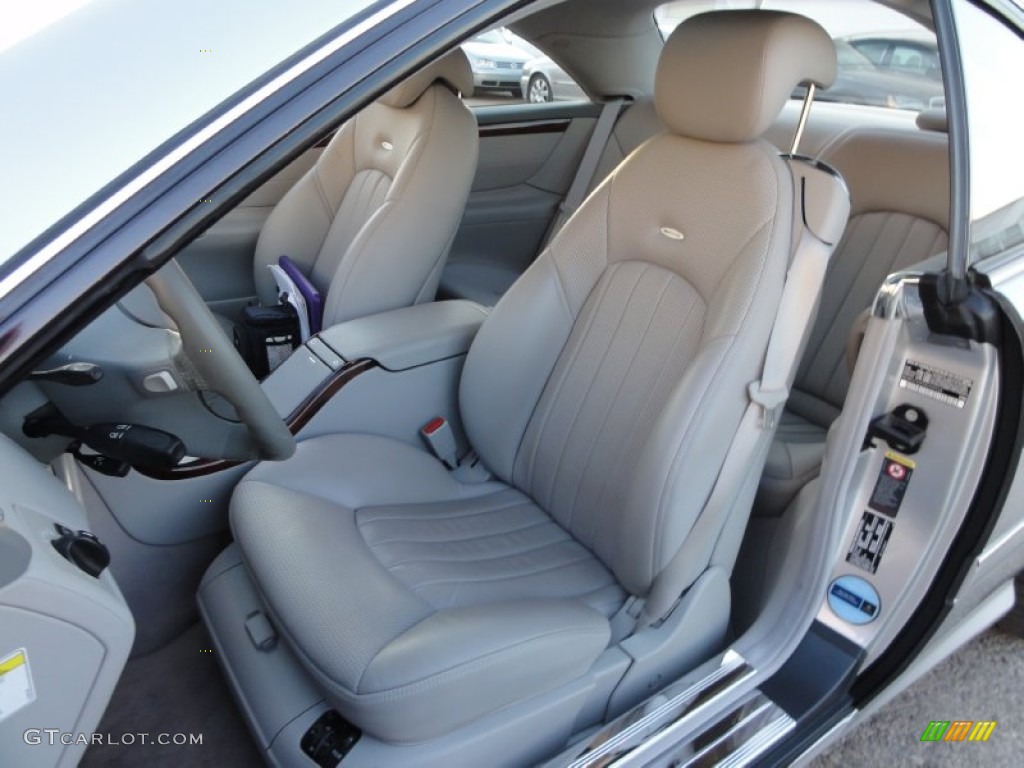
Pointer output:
x,y
885,59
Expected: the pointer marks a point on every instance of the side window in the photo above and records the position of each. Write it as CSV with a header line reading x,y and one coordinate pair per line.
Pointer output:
x,y
994,120
918,60
885,59
508,70
873,49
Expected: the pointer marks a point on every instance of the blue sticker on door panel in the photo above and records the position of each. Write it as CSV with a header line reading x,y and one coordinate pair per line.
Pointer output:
x,y
852,599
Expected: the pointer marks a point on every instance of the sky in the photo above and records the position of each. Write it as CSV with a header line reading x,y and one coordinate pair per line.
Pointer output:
x,y
20,19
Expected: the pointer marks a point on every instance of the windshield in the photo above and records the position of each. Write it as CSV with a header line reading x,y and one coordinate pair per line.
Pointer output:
x,y
491,36
92,86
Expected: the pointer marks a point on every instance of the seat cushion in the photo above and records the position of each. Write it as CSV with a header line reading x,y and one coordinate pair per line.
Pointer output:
x,y
418,616
794,459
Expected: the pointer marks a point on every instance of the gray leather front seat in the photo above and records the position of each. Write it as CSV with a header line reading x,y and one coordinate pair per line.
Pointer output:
x,y
371,223
603,393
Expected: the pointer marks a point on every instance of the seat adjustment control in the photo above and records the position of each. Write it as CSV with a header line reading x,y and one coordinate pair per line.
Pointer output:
x,y
329,739
261,632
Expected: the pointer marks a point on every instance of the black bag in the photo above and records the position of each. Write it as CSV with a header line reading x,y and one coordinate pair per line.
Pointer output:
x,y
266,336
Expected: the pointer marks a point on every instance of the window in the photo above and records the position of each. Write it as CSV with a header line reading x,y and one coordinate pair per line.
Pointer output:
x,y
507,70
884,58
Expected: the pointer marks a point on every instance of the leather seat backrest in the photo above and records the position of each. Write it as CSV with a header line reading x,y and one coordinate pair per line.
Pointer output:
x,y
899,193
372,221
609,381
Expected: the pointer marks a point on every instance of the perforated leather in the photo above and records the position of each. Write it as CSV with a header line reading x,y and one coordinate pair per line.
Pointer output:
x,y
604,391
490,548
415,615
371,223
632,317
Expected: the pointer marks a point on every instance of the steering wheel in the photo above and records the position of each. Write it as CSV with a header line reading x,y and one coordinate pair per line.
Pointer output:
x,y
218,367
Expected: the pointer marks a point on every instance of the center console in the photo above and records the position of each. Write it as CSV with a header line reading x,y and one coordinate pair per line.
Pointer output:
x,y
386,374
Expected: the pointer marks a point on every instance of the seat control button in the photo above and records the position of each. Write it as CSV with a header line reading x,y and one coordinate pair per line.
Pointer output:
x,y
333,359
261,632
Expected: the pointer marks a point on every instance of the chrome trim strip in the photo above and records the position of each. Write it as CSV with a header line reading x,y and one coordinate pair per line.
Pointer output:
x,y
97,214
805,112
998,544
750,714
611,743
889,300
761,742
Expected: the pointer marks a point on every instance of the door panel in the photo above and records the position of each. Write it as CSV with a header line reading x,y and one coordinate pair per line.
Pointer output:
x,y
219,262
528,158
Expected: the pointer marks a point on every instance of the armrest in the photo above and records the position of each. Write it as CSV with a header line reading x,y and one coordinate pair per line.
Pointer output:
x,y
408,337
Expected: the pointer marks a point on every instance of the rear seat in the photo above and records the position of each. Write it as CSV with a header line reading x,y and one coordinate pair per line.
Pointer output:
x,y
899,188
899,194
484,282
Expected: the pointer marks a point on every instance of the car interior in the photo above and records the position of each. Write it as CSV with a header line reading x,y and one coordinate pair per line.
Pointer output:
x,y
515,479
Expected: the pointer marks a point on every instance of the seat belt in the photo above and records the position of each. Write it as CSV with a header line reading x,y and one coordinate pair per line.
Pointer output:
x,y
587,167
793,320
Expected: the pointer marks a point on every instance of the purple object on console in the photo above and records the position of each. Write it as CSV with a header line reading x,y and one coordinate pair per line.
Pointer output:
x,y
309,292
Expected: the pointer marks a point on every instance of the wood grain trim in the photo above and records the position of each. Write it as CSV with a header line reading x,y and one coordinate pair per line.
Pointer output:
x,y
297,419
524,129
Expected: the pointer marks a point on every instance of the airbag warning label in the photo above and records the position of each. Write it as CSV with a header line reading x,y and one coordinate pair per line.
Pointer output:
x,y
946,387
869,542
892,482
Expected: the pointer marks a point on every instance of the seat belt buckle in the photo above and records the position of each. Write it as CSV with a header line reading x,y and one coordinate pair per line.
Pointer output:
x,y
438,435
771,402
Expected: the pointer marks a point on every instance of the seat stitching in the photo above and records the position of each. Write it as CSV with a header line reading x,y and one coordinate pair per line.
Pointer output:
x,y
573,317
473,537
534,410
814,351
466,667
557,388
730,351
838,366
588,558
380,513
586,395
608,410
556,391
650,397
655,306
536,547
826,376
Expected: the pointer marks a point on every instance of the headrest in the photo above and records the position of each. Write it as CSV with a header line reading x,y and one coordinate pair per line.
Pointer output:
x,y
452,68
933,119
724,76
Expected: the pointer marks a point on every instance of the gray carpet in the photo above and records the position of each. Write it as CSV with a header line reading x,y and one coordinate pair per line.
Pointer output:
x,y
177,689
